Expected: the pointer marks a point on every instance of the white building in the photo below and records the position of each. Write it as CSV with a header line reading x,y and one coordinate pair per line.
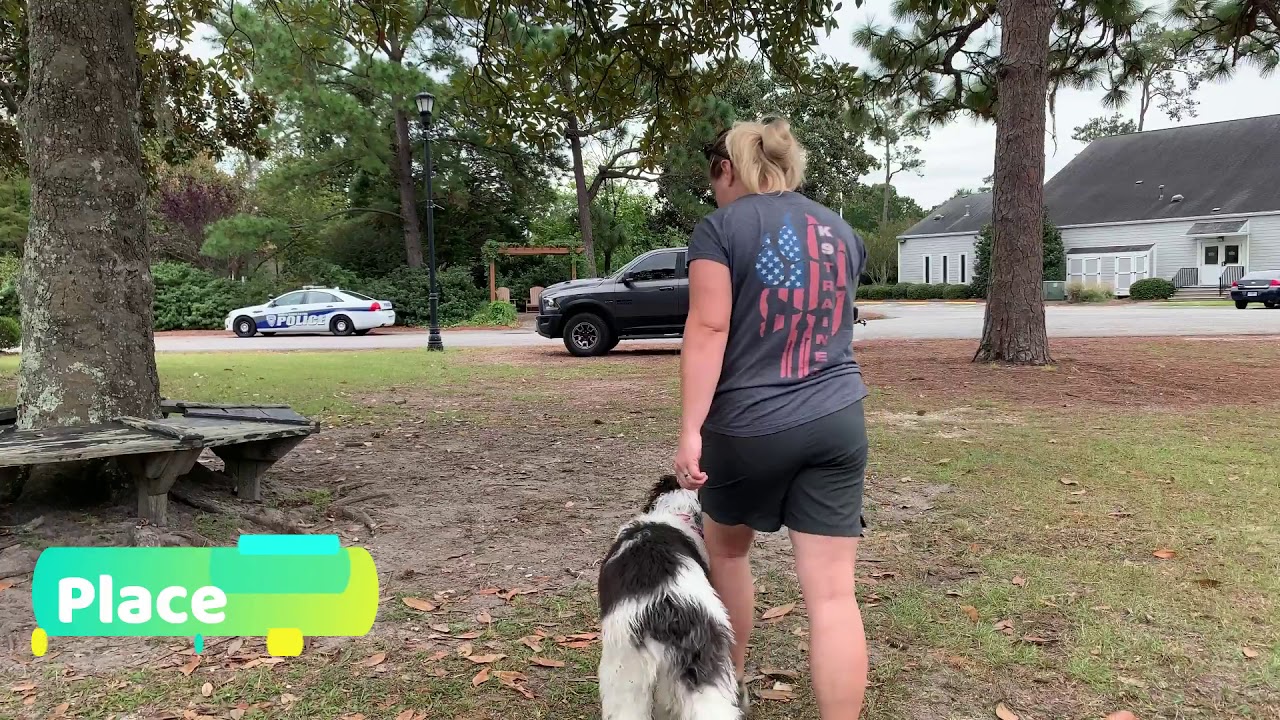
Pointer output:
x,y
1198,205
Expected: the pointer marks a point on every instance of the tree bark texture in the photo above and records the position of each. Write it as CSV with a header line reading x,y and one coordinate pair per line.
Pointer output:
x,y
584,201
408,196
1014,329
88,351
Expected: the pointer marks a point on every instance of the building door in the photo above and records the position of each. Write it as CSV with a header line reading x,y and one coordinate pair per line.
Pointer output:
x,y
1215,257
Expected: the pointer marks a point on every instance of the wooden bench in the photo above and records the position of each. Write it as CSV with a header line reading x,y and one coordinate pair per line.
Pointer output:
x,y
248,438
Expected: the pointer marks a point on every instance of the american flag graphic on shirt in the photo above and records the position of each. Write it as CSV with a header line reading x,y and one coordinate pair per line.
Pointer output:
x,y
805,292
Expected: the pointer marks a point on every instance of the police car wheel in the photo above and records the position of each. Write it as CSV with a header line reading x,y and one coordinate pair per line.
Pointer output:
x,y
245,327
341,325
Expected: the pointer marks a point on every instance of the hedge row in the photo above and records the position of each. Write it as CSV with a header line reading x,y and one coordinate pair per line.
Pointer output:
x,y
916,291
188,298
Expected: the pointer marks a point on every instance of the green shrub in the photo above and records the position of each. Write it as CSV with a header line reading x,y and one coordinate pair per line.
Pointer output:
x,y
188,298
496,314
10,333
875,292
409,290
10,305
1152,289
1078,293
921,291
955,292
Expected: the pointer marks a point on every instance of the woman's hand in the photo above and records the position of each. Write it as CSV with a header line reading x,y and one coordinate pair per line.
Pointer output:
x,y
688,474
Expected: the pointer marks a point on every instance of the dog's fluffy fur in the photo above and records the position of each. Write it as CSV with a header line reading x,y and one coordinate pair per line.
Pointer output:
x,y
665,633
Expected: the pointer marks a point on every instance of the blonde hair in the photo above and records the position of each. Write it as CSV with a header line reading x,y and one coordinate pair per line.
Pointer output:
x,y
766,157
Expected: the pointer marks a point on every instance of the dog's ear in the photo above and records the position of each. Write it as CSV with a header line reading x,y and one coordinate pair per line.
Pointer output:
x,y
665,484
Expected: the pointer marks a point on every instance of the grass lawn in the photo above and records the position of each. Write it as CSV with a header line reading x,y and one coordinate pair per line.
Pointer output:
x,y
1069,541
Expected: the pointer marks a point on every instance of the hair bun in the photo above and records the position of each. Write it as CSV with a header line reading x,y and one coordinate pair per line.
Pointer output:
x,y
777,140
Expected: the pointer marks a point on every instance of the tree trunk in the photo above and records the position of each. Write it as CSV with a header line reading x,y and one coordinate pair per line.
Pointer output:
x,y
88,353
888,177
408,196
1144,104
584,202
1014,329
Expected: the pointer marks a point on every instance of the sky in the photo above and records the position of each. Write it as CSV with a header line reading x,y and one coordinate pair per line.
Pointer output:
x,y
961,153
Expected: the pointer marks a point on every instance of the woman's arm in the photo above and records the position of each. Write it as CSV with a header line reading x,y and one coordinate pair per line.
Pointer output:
x,y
705,333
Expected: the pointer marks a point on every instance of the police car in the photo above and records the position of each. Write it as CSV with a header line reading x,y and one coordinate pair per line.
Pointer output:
x,y
313,310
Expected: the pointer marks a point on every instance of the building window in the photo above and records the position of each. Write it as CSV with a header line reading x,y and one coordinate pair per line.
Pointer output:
x,y
946,275
927,279
964,269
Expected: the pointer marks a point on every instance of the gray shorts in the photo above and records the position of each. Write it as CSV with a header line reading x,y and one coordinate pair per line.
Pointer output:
x,y
808,478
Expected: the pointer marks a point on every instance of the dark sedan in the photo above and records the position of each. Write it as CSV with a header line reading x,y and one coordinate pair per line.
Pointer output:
x,y
1257,287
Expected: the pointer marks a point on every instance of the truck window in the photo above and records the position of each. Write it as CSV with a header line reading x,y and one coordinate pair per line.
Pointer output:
x,y
660,266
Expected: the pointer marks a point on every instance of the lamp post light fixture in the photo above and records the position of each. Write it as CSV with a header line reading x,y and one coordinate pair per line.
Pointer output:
x,y
426,101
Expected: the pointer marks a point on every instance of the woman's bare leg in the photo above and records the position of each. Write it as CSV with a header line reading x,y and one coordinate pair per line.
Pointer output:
x,y
728,547
837,643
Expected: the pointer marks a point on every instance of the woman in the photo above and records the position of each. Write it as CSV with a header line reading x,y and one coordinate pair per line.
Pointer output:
x,y
772,430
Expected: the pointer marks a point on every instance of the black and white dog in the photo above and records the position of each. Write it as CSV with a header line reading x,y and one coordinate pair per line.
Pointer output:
x,y
666,635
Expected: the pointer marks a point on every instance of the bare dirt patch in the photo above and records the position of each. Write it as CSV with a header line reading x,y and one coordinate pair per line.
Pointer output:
x,y
1095,372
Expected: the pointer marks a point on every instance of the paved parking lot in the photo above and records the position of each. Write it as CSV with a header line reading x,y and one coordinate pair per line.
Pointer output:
x,y
916,322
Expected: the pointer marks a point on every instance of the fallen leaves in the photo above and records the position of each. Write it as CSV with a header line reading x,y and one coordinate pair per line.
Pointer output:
x,y
465,649
481,677
514,680
485,659
1004,713
1208,583
1165,554
546,662
1019,581
780,692
440,628
533,642
484,618
374,660
971,611
1249,652
5,586
1068,481
1122,715
778,673
190,666
207,689
777,612
418,603
1004,626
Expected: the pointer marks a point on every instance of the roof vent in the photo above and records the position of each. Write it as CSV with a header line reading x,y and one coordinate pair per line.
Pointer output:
x,y
1161,192
966,210
1137,182
938,216
1215,209
1176,198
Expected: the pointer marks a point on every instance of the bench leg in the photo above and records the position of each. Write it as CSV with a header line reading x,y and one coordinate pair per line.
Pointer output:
x,y
247,463
154,474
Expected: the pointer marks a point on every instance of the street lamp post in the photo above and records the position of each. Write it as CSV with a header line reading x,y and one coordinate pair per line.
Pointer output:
x,y
425,102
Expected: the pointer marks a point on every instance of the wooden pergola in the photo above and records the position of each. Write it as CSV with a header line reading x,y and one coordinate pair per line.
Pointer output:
x,y
527,251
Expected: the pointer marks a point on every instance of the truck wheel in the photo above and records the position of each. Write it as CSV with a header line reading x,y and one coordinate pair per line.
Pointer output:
x,y
341,325
586,335
245,326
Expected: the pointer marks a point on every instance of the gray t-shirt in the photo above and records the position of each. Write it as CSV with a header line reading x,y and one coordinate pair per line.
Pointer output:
x,y
795,267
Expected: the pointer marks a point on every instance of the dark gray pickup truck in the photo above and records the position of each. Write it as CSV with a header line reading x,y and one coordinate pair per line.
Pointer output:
x,y
646,299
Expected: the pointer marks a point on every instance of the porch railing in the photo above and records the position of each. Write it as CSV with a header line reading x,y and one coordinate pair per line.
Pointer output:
x,y
1230,274
1187,277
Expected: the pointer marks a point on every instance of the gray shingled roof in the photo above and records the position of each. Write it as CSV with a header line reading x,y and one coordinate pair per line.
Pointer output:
x,y
957,215
1233,166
